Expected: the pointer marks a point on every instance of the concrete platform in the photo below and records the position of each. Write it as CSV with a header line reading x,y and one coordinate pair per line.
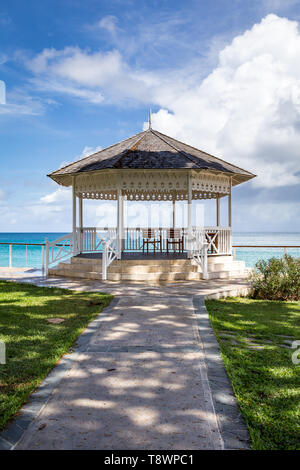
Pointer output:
x,y
149,267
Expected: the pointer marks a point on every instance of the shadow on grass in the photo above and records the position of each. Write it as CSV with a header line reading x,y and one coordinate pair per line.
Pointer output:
x,y
266,382
33,345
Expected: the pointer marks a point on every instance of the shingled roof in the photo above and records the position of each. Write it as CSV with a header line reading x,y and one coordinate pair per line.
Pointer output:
x,y
151,150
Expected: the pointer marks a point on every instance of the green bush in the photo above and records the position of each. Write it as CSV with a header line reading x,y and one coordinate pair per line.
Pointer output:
x,y
277,279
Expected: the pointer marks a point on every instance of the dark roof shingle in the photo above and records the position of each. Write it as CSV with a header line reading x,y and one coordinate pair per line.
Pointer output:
x,y
150,150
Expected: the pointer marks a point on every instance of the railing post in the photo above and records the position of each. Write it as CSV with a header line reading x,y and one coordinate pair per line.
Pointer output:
x,y
104,261
80,238
10,255
189,219
47,257
234,254
204,261
43,259
74,217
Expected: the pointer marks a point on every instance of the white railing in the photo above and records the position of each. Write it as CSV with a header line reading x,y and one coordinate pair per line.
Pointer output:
x,y
200,256
198,246
18,258
218,238
60,249
91,238
110,253
200,242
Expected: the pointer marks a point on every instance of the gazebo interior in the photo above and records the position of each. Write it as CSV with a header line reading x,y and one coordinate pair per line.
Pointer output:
x,y
147,168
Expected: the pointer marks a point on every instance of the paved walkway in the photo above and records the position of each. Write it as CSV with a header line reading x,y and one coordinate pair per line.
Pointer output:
x,y
144,379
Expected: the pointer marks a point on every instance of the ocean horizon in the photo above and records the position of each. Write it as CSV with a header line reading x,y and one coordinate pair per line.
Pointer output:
x,y
33,257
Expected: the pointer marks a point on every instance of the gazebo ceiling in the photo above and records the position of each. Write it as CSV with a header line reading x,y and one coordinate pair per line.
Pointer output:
x,y
150,150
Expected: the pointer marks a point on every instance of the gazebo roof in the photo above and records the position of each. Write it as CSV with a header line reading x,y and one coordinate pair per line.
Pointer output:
x,y
150,150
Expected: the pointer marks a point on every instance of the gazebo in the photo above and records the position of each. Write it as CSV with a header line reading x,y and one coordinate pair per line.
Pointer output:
x,y
149,166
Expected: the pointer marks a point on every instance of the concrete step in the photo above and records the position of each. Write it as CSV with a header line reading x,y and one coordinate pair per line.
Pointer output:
x,y
227,275
174,276
219,259
132,262
118,276
219,267
84,267
75,261
150,276
144,269
67,272
129,268
233,266
147,265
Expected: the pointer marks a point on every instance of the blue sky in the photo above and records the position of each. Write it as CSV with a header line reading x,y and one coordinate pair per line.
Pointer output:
x,y
223,76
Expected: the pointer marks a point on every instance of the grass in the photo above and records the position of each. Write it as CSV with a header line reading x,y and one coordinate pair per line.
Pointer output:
x,y
34,346
265,381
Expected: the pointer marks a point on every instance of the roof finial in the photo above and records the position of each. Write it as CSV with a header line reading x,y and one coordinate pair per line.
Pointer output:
x,y
150,119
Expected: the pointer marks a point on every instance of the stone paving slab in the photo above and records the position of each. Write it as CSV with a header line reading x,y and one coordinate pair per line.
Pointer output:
x,y
146,400
146,374
133,398
211,288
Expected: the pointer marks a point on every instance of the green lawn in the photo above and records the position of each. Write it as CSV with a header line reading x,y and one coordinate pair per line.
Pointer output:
x,y
33,346
265,380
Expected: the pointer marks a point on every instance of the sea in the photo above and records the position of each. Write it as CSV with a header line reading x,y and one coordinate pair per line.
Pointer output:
x,y
32,256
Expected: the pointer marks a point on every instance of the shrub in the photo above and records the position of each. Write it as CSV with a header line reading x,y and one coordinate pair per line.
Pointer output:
x,y
277,279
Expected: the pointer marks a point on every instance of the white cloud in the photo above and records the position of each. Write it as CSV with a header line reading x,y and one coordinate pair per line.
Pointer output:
x,y
89,151
60,196
276,5
3,58
88,75
18,102
109,23
247,110
85,153
264,212
5,20
64,87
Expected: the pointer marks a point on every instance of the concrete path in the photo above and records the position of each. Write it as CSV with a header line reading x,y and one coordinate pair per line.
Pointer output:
x,y
142,379
213,288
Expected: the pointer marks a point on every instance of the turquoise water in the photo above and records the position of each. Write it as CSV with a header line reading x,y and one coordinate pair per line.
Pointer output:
x,y
19,257
252,255
249,255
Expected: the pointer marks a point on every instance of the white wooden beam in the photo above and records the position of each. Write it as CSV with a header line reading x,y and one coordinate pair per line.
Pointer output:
x,y
230,206
218,218
74,222
189,218
80,224
120,222
174,212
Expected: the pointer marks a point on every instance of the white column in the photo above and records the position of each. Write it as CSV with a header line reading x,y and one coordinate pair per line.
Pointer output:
x,y
80,224
230,214
120,222
229,207
149,213
189,218
218,211
174,212
74,216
